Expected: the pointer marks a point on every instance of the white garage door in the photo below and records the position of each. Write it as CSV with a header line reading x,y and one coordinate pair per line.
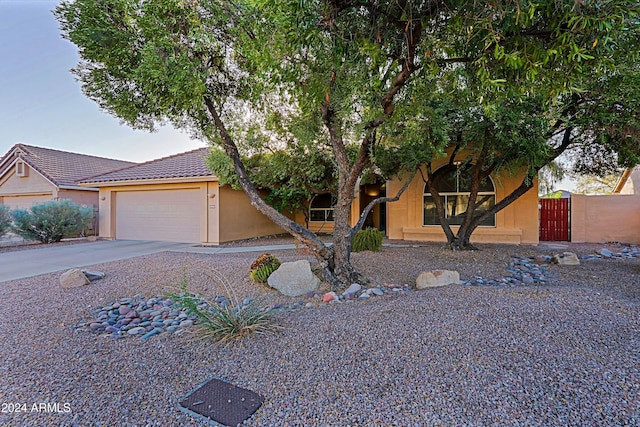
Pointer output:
x,y
167,215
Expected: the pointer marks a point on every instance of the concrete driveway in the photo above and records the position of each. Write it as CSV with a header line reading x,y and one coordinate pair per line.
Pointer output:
x,y
33,262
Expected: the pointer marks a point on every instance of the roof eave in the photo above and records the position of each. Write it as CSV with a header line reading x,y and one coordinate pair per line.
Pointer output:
x,y
131,182
622,180
78,187
31,166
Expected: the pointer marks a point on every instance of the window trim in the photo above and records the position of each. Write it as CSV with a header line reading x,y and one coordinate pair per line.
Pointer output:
x,y
328,213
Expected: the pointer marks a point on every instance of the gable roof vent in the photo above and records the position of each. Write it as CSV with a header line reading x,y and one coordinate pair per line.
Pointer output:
x,y
21,169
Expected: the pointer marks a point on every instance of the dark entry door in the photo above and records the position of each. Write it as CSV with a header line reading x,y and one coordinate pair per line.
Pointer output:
x,y
554,220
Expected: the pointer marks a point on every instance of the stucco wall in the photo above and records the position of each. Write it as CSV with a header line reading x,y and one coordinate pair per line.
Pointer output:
x,y
605,218
516,224
239,220
24,191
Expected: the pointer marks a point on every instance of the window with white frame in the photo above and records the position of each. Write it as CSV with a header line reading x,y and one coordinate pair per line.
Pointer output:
x,y
321,208
454,190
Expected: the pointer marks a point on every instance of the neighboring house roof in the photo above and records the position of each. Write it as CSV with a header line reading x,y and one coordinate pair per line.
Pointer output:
x,y
61,168
628,181
184,165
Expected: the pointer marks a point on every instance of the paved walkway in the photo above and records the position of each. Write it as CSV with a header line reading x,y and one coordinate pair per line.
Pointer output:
x,y
33,262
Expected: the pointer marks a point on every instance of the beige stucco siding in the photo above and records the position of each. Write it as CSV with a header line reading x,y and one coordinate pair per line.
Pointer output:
x,y
516,224
25,202
605,218
22,192
198,212
239,219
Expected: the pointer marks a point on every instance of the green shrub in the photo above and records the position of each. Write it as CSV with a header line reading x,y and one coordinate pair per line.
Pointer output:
x,y
5,220
52,221
226,319
263,266
369,239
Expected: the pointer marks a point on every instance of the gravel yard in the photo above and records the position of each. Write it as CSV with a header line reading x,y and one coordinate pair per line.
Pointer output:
x,y
566,353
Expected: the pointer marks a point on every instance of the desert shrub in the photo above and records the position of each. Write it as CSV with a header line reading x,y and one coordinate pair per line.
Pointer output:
x,y
225,318
369,239
51,221
263,266
5,220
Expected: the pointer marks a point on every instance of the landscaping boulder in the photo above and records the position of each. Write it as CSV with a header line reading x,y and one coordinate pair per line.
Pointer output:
x,y
73,278
294,279
566,258
605,253
435,278
355,287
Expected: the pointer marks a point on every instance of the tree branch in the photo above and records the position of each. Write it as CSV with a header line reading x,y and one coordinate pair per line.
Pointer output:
x,y
380,200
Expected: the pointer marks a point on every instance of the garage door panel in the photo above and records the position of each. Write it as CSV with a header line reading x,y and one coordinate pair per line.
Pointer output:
x,y
167,215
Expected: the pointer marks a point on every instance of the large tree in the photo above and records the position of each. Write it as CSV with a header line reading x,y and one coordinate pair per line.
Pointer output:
x,y
587,110
331,75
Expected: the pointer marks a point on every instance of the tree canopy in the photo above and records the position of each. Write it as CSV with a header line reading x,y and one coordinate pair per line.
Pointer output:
x,y
377,85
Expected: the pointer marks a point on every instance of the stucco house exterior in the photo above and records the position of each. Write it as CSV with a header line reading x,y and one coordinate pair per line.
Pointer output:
x,y
413,216
175,198
30,174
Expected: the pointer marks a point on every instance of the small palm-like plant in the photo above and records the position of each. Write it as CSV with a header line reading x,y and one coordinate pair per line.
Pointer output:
x,y
225,319
263,266
369,239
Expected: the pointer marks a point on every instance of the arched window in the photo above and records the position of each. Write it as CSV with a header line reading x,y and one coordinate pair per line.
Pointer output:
x,y
321,208
454,192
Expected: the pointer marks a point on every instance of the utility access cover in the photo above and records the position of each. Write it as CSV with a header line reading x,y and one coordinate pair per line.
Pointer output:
x,y
221,402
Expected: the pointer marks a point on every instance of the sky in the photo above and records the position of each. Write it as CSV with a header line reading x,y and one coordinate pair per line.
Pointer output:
x,y
41,104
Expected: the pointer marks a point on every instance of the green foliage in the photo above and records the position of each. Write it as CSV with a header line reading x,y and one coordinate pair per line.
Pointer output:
x,y
291,176
263,266
51,221
368,239
228,320
5,220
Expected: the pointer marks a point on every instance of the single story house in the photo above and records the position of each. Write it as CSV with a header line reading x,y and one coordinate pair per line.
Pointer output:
x,y
175,198
30,175
413,216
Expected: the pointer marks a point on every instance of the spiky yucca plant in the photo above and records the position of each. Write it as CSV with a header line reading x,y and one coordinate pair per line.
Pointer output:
x,y
263,266
229,321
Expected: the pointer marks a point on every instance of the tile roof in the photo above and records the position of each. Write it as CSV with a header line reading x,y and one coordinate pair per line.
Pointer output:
x,y
60,167
184,165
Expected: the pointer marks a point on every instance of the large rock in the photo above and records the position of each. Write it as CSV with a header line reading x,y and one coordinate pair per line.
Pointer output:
x,y
435,278
73,278
294,279
566,258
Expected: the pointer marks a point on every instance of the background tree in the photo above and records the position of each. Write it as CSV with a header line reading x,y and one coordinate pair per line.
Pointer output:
x,y
593,184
